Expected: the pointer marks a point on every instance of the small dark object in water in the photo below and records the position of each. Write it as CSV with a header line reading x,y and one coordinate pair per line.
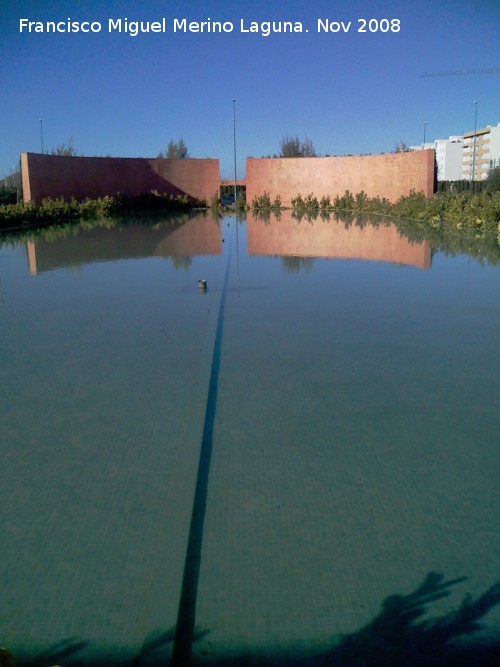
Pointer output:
x,y
202,284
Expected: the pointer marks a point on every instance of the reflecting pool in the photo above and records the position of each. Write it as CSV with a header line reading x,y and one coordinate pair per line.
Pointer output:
x,y
330,404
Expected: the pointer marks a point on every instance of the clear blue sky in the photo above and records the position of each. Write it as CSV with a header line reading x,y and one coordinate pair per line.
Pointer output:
x,y
119,95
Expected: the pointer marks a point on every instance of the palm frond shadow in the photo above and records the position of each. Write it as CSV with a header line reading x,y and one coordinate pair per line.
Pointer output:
x,y
157,648
400,635
58,654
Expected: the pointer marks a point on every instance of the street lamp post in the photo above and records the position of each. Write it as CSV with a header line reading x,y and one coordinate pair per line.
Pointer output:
x,y
41,131
425,131
474,146
234,146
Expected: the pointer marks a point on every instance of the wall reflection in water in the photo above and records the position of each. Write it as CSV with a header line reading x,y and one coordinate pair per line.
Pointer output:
x,y
198,235
282,235
287,236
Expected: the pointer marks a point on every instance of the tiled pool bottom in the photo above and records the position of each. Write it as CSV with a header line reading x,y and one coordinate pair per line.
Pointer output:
x,y
104,380
353,459
354,452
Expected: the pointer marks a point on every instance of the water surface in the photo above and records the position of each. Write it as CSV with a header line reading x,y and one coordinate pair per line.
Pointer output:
x,y
354,443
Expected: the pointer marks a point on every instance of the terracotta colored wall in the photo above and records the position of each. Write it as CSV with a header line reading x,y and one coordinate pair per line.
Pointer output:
x,y
287,237
81,177
391,175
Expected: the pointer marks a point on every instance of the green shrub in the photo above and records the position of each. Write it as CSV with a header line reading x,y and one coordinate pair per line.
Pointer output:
x,y
345,203
298,202
361,201
51,210
214,202
312,203
241,201
261,202
276,205
308,205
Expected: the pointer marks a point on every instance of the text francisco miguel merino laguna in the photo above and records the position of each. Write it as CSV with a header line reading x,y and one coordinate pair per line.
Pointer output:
x,y
183,25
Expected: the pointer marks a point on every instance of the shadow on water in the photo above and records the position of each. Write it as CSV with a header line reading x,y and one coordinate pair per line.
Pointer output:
x,y
399,636
61,653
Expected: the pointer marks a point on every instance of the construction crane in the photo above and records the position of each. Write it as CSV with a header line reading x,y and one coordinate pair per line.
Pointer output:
x,y
492,70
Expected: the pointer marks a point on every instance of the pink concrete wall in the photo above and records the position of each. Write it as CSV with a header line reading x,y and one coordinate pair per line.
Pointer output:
x,y
287,237
81,177
392,175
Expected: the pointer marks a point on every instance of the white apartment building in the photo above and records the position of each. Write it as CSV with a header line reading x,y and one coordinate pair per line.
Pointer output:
x,y
454,155
481,152
449,158
495,147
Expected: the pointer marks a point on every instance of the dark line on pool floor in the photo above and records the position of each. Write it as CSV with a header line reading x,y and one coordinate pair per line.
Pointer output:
x,y
187,607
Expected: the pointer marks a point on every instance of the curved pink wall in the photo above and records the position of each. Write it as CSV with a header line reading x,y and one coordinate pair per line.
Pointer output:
x,y
80,177
391,175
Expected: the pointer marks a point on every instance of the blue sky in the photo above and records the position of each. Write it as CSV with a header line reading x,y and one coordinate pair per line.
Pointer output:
x,y
350,93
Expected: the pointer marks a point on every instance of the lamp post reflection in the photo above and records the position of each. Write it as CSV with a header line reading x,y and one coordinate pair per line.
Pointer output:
x,y
234,146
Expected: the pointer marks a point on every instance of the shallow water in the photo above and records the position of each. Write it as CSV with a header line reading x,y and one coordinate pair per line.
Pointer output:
x,y
354,403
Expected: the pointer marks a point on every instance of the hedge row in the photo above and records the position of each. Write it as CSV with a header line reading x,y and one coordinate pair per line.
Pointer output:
x,y
51,210
477,210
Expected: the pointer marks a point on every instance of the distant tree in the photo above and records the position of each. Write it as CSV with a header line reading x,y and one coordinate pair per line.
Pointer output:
x,y
401,147
64,149
493,180
290,146
175,150
308,148
294,147
11,187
